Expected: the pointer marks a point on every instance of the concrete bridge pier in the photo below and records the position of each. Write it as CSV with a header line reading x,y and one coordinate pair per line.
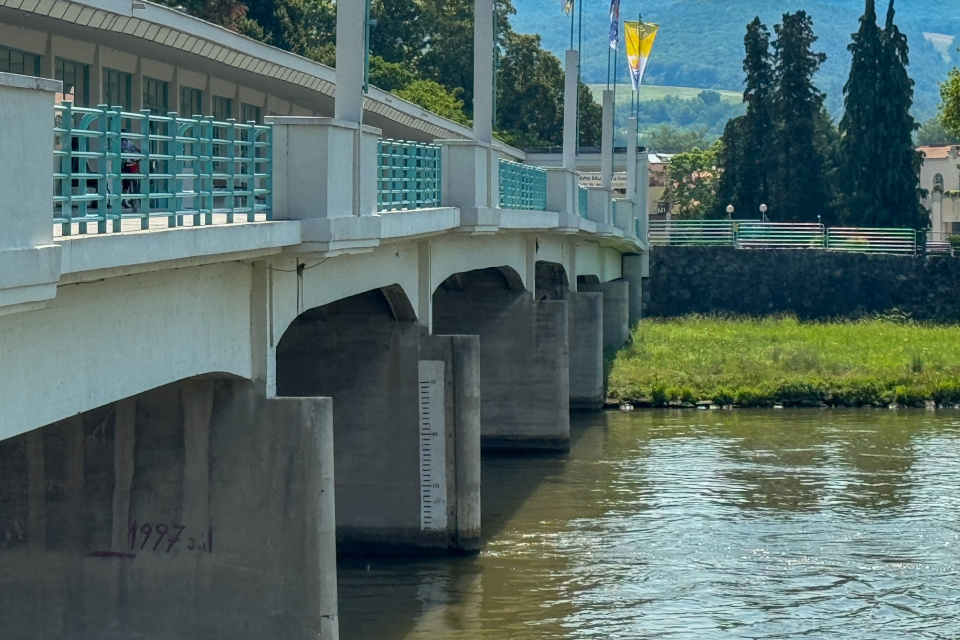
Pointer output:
x,y
201,509
406,415
524,356
616,310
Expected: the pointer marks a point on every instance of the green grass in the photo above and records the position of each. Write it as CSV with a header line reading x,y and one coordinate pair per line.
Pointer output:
x,y
760,362
651,93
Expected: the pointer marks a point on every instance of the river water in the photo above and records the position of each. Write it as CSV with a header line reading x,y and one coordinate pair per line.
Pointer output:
x,y
751,524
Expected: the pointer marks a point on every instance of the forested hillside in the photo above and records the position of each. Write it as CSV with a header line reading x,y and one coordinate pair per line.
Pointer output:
x,y
701,41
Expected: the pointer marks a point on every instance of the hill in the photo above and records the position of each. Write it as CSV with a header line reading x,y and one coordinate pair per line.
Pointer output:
x,y
701,41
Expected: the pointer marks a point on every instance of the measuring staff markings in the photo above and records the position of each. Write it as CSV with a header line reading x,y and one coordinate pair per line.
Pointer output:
x,y
433,452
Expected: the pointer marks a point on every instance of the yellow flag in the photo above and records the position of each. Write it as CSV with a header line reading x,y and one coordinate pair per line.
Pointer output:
x,y
640,38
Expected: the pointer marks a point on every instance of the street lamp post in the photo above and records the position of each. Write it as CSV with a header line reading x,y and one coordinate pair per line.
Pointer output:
x,y
730,211
763,212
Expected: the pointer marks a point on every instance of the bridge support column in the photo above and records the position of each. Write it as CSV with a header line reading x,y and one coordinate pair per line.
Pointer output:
x,y
406,423
524,360
148,518
636,273
616,310
586,350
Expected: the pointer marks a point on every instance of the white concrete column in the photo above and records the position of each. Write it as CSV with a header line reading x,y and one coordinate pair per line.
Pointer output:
x,y
96,79
606,144
136,89
483,71
570,110
351,36
632,160
29,261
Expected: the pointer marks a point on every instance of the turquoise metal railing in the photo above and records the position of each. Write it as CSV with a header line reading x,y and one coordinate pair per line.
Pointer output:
x,y
522,186
409,176
112,166
584,202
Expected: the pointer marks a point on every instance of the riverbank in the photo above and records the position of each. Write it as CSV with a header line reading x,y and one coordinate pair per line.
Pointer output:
x,y
778,360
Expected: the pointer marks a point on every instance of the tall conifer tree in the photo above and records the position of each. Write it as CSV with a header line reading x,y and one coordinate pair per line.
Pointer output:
x,y
900,162
798,189
860,145
746,140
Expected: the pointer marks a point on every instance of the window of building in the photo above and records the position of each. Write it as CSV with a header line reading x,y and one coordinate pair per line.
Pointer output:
x,y
13,61
250,113
191,102
155,96
116,89
75,77
222,108
938,182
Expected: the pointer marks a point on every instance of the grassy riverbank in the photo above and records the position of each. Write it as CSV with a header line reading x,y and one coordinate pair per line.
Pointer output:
x,y
760,362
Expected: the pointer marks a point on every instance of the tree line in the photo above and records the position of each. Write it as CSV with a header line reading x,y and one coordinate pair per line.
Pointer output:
x,y
786,152
422,51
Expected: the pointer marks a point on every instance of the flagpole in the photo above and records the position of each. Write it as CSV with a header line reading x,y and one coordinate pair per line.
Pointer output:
x,y
616,61
579,65
572,23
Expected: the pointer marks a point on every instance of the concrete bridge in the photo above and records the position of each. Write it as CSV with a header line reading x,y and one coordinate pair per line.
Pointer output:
x,y
296,340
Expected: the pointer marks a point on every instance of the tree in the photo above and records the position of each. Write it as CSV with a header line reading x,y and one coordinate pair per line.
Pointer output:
x,y
798,188
745,182
591,118
932,132
667,139
900,193
435,97
692,182
950,103
530,89
733,160
860,145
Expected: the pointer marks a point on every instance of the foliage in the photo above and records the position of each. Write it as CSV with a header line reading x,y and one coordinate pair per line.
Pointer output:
x,y
860,146
668,139
899,161
798,187
950,105
932,133
692,182
422,50
435,97
757,362
745,182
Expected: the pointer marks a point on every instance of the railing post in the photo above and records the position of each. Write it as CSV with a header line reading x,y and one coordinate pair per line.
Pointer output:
x,y
469,180
29,261
325,178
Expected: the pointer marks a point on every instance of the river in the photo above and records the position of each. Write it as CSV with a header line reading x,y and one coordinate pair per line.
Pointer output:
x,y
697,524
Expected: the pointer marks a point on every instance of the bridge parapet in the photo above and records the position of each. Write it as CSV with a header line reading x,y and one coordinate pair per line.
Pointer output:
x,y
29,261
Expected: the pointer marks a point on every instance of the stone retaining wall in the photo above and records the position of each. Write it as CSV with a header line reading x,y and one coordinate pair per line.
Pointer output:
x,y
812,284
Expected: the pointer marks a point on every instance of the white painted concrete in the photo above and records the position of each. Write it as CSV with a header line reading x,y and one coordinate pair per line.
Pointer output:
x,y
606,143
572,71
351,42
100,342
483,71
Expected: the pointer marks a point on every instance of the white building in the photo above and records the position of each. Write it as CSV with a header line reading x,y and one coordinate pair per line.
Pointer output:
x,y
940,176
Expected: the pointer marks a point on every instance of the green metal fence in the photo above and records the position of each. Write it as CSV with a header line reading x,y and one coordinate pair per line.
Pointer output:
x,y
409,176
111,166
691,233
522,186
903,241
773,235
584,202
750,234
